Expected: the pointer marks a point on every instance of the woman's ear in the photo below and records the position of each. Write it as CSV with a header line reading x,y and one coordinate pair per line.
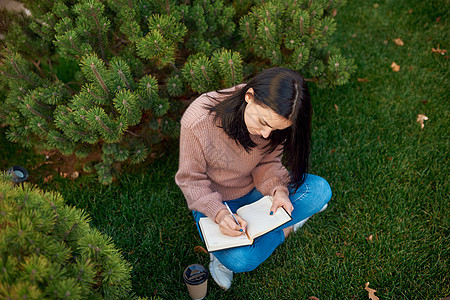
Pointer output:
x,y
249,95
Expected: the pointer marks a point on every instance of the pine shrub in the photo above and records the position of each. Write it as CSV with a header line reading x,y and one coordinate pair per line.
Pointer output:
x,y
48,250
130,63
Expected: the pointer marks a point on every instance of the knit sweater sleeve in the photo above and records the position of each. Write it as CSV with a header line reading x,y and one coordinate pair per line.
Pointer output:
x,y
192,178
270,174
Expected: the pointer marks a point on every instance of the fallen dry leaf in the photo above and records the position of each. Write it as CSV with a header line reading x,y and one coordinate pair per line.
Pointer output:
x,y
371,292
332,151
336,107
363,80
438,50
48,178
75,174
398,42
369,238
395,67
313,298
334,13
200,249
376,5
421,118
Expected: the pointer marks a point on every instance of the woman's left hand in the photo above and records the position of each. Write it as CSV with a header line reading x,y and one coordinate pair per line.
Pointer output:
x,y
281,199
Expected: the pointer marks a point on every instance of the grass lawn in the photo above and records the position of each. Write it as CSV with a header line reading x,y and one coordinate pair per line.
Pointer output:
x,y
388,220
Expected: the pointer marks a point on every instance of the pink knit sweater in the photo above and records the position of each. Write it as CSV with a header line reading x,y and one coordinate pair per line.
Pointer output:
x,y
213,168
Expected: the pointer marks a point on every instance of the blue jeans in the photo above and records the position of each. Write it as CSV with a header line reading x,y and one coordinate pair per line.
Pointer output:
x,y
310,197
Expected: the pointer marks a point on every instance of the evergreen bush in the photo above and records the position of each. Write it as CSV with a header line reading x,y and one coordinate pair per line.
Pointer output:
x,y
132,62
48,250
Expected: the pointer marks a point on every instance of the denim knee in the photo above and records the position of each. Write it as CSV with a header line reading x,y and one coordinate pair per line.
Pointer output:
x,y
239,259
321,188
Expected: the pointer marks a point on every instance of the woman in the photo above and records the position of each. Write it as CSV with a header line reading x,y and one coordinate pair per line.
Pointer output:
x,y
231,145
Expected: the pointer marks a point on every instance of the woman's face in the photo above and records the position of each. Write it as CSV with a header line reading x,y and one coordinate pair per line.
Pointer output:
x,y
262,120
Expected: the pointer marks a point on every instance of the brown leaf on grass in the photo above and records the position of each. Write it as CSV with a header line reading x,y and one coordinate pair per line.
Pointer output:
x,y
395,67
363,80
48,178
200,249
371,292
313,298
334,13
341,255
376,5
369,238
438,50
420,119
75,174
336,107
398,42
332,151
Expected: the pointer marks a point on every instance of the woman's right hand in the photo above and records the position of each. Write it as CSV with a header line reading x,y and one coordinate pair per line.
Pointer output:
x,y
227,224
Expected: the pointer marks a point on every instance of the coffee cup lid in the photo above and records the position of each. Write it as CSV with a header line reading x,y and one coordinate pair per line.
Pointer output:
x,y
195,274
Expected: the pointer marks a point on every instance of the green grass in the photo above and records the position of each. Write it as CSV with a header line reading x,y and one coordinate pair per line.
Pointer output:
x,y
389,180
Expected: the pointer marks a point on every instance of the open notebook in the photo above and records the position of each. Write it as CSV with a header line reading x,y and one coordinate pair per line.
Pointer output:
x,y
259,222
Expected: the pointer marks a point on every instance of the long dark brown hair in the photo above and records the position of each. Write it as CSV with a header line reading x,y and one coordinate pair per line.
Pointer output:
x,y
286,93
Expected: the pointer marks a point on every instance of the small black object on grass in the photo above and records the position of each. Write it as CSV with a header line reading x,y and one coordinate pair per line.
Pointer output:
x,y
18,174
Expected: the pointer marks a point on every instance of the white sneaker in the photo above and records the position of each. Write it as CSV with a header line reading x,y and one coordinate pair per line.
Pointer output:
x,y
302,222
324,207
221,275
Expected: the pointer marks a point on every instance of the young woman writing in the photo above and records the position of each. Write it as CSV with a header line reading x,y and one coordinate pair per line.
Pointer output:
x,y
232,144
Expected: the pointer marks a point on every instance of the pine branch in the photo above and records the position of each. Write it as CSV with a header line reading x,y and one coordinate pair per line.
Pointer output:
x,y
302,31
35,112
40,103
97,118
74,46
122,76
174,67
204,73
10,75
42,128
16,68
94,95
99,78
100,42
233,73
132,133
247,28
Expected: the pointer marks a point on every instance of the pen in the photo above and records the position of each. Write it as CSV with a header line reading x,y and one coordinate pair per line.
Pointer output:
x,y
233,215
